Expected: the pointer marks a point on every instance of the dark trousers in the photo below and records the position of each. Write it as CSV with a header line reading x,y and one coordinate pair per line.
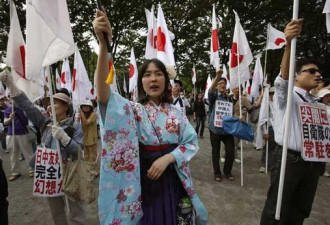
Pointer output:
x,y
3,197
300,183
228,141
271,147
200,121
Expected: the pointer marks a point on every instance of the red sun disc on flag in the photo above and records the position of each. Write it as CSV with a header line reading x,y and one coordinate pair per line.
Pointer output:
x,y
63,77
278,41
233,56
161,40
131,71
74,79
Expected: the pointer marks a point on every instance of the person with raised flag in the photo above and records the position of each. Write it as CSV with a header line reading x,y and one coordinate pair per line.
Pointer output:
x,y
217,95
301,177
70,136
146,151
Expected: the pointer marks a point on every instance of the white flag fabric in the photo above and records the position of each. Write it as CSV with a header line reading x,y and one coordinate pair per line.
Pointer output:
x,y
226,76
151,46
114,86
263,114
124,85
57,79
193,75
326,10
33,90
66,80
48,35
133,72
81,84
207,87
276,38
214,50
239,66
266,83
257,79
165,51
16,46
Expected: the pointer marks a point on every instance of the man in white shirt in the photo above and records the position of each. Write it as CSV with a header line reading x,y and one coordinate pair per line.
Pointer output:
x,y
301,177
177,100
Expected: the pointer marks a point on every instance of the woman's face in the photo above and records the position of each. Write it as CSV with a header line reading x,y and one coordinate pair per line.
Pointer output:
x,y
200,96
85,108
153,82
60,107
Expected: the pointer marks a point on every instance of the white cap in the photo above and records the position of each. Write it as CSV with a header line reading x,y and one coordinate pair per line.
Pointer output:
x,y
87,102
323,92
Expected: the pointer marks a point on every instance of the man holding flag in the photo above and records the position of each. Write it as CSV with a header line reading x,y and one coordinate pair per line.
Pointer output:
x,y
301,177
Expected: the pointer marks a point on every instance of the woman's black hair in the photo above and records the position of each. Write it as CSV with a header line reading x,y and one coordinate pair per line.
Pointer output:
x,y
167,94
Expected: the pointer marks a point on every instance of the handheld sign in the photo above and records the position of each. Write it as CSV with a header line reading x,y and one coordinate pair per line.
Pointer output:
x,y
315,131
222,108
47,176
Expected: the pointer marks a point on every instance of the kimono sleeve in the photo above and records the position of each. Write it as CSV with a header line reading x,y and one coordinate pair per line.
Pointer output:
x,y
188,144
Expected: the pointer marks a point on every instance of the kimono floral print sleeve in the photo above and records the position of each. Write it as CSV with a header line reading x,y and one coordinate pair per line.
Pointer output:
x,y
119,188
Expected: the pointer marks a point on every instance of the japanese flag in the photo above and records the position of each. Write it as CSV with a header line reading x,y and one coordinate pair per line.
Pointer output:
x,y
207,87
66,81
16,46
151,46
257,79
48,35
113,85
133,72
193,75
165,51
214,51
263,117
240,56
326,10
57,79
276,39
33,90
81,84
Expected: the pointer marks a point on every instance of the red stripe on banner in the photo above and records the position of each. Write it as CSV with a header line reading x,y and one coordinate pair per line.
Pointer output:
x,y
131,70
74,79
161,40
215,41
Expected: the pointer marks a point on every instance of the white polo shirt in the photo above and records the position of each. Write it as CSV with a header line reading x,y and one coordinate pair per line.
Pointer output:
x,y
280,100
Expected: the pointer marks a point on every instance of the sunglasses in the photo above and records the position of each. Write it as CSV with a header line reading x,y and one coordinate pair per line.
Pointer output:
x,y
311,71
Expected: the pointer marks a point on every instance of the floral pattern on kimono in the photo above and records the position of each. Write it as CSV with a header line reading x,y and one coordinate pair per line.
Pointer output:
x,y
123,125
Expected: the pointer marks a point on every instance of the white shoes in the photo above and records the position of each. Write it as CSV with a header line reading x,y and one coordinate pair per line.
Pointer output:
x,y
222,159
237,160
326,174
262,170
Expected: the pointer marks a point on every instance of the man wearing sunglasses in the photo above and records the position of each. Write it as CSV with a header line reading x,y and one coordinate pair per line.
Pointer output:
x,y
301,177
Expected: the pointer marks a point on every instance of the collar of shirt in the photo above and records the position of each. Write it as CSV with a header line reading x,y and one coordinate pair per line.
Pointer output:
x,y
309,97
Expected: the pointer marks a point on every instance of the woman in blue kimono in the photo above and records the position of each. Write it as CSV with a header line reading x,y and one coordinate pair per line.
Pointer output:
x,y
146,147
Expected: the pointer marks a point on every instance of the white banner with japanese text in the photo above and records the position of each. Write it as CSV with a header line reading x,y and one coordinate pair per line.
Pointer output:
x,y
315,130
47,173
222,108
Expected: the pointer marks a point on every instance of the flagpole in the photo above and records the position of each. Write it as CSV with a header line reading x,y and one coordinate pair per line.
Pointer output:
x,y
153,32
240,106
265,66
267,127
287,115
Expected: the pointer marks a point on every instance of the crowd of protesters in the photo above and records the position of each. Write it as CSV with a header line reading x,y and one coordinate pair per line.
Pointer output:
x,y
160,127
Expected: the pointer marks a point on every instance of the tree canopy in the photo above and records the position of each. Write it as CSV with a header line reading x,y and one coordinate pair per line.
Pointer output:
x,y
190,21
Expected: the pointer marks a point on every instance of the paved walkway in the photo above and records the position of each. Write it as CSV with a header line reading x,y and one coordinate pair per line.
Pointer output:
x,y
227,202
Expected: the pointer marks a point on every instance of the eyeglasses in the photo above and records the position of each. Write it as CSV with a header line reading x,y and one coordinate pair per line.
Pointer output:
x,y
311,71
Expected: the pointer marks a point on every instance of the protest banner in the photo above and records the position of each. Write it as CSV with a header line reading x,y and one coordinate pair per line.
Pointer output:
x,y
47,176
222,108
315,131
